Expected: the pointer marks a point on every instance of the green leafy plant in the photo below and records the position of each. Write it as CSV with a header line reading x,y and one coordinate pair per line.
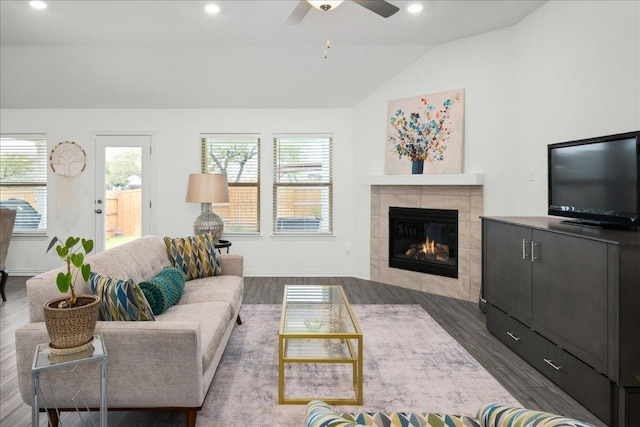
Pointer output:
x,y
72,251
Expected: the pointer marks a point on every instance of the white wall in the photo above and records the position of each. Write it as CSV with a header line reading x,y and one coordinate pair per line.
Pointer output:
x,y
177,153
569,70
578,76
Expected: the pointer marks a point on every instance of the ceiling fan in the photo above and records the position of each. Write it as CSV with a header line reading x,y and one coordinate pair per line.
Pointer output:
x,y
380,7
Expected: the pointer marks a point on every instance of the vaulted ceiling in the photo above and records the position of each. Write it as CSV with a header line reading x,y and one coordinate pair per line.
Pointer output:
x,y
172,54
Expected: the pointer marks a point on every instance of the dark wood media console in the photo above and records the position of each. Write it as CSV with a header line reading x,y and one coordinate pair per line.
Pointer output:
x,y
567,300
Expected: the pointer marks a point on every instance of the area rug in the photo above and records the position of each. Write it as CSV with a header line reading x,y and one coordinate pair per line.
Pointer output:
x,y
410,364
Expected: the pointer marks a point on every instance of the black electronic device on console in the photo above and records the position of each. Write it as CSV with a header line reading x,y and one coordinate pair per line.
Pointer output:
x,y
596,181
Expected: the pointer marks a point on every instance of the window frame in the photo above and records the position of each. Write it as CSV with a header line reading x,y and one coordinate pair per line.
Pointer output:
x,y
39,185
206,167
277,184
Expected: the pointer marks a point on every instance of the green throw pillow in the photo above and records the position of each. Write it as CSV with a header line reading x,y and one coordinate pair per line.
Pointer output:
x,y
163,290
194,255
120,299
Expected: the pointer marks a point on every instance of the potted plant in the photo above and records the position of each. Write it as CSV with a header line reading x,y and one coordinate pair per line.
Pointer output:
x,y
71,320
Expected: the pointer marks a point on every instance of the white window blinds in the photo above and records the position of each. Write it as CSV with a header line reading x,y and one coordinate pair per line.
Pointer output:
x,y
303,184
237,156
23,180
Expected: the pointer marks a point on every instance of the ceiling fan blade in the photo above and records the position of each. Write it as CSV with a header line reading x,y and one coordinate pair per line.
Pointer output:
x,y
381,7
299,13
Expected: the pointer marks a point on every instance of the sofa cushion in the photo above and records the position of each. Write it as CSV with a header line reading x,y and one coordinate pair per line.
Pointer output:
x,y
136,260
164,289
213,318
194,255
120,299
224,288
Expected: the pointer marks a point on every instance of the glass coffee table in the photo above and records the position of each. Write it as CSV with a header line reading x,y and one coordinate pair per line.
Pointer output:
x,y
318,326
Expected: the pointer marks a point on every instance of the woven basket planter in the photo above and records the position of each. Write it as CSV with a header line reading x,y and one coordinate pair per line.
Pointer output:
x,y
71,329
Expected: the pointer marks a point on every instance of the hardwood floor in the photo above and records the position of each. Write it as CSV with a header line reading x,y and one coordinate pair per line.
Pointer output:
x,y
462,319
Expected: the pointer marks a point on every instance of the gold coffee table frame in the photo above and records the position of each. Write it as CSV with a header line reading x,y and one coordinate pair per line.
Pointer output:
x,y
317,325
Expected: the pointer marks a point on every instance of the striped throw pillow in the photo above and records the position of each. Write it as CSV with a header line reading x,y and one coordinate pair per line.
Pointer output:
x,y
194,255
120,299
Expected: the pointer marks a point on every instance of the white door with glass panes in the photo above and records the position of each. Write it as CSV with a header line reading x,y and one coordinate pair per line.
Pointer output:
x,y
124,185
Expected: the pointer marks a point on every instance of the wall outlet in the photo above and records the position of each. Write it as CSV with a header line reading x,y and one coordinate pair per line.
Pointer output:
x,y
532,175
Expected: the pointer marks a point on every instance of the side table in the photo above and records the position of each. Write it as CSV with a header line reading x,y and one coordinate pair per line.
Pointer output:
x,y
223,244
44,361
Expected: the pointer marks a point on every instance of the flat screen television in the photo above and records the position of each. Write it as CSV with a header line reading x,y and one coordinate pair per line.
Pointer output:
x,y
596,181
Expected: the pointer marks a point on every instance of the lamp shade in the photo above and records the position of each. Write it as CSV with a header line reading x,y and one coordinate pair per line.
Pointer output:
x,y
208,188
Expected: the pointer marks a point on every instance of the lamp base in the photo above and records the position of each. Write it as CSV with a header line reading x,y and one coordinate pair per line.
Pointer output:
x,y
209,222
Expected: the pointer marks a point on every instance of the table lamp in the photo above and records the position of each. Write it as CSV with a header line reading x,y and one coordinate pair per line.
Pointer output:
x,y
211,189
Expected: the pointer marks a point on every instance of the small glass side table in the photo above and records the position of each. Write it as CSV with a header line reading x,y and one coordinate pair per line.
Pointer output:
x,y
45,361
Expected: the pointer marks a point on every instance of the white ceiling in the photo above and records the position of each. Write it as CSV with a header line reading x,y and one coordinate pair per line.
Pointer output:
x,y
171,54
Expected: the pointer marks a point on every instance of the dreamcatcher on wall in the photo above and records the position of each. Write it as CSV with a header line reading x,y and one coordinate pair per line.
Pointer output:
x,y
67,160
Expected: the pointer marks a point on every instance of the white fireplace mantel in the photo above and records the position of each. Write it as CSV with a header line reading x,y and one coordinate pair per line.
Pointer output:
x,y
435,179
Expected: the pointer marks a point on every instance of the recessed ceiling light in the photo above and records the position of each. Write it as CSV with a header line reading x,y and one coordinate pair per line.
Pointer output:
x,y
212,8
415,8
36,4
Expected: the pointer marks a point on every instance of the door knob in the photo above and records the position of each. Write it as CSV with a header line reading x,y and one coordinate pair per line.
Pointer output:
x,y
98,211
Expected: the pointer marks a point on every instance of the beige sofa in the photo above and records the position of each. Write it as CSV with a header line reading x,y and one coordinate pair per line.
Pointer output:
x,y
164,364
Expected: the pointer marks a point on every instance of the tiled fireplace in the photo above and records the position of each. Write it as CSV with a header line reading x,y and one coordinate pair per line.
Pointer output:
x,y
467,201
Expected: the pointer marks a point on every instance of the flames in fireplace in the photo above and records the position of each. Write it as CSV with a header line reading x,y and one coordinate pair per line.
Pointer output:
x,y
430,250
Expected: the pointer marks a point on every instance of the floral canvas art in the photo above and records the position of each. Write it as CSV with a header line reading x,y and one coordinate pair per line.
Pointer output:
x,y
425,134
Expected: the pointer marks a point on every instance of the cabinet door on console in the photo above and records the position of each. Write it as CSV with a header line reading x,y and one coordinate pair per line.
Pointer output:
x,y
570,294
507,267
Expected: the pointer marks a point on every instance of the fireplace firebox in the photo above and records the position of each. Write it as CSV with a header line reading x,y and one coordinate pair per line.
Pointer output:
x,y
424,240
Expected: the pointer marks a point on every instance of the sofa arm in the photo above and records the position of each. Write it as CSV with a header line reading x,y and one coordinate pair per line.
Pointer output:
x,y
231,264
149,364
501,415
319,414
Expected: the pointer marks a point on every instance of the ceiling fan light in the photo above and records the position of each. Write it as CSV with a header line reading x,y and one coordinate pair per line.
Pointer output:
x,y
324,4
36,4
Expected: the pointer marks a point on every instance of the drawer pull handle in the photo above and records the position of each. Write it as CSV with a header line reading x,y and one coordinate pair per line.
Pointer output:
x,y
515,338
553,365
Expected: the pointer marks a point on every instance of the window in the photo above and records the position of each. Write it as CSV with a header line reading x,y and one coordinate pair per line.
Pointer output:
x,y
23,180
303,184
238,156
